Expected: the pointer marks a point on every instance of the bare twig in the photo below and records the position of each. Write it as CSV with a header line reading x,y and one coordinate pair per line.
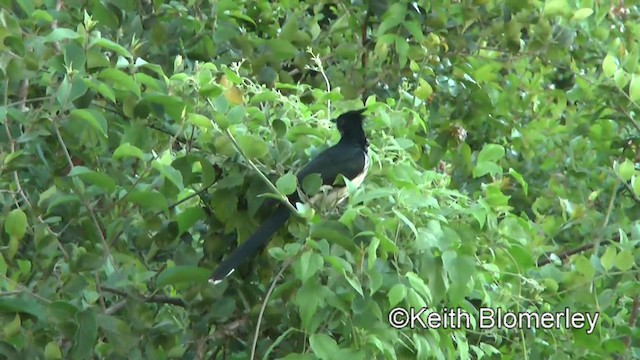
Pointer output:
x,y
264,305
264,178
115,307
319,67
156,299
84,201
16,177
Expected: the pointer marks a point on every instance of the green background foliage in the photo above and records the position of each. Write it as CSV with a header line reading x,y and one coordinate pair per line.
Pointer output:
x,y
504,143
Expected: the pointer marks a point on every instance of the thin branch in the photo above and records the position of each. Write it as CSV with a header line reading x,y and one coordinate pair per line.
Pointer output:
x,y
23,289
84,201
156,299
319,67
264,178
546,259
115,307
28,101
18,183
264,305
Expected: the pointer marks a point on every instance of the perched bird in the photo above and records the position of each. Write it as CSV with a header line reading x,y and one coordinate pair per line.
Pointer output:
x,y
348,158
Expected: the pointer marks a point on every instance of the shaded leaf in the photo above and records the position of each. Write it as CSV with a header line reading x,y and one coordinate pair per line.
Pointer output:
x,y
182,274
92,117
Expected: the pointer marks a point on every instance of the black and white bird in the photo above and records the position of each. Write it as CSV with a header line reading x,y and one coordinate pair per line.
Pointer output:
x,y
348,158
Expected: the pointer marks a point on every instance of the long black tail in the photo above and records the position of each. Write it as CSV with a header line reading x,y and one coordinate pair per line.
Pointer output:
x,y
250,247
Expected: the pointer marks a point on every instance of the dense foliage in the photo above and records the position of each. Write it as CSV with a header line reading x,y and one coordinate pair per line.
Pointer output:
x,y
135,136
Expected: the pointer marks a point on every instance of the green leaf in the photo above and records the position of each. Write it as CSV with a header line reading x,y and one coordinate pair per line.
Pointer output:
x,y
121,80
355,284
104,90
282,49
63,92
609,65
110,45
19,305
414,28
182,274
485,167
376,280
287,184
92,117
236,114
78,88
582,14
12,328
424,91
491,153
585,267
3,266
168,172
608,258
127,150
520,179
200,121
42,16
86,336
308,265
334,232
323,346
308,298
93,177
210,90
311,184
372,250
394,16
459,269
635,184
624,260
60,34
149,199
61,311
189,217
74,58
419,285
396,294
626,170
634,88
253,146
232,76
407,222
52,351
15,224
555,8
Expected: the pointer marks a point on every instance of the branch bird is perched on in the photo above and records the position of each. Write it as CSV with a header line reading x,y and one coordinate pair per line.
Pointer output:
x,y
348,158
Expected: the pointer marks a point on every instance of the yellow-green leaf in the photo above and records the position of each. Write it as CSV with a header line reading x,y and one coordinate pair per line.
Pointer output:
x,y
15,223
582,14
634,88
609,65
608,258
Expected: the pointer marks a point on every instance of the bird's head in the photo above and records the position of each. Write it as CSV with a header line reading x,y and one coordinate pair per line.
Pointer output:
x,y
350,120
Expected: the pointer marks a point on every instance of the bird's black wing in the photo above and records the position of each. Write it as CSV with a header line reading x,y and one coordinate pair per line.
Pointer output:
x,y
339,159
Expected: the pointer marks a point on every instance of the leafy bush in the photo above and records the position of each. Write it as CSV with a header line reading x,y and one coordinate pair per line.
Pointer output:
x,y
137,138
